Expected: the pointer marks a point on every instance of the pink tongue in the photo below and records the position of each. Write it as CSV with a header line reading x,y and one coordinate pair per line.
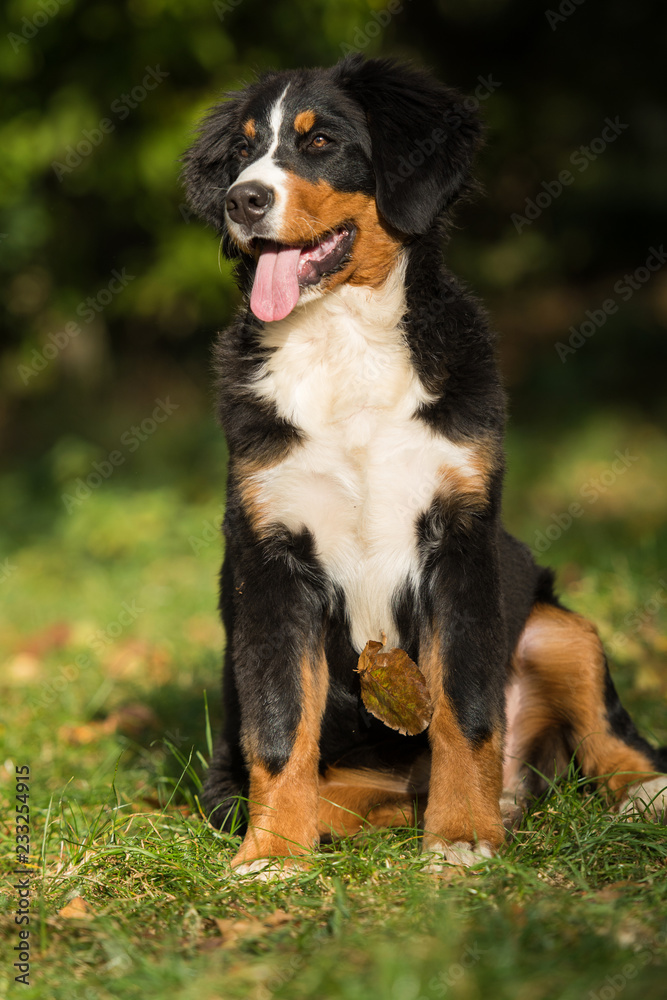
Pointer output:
x,y
275,290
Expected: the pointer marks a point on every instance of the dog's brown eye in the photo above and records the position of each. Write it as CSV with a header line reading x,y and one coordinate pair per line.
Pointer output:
x,y
244,150
319,141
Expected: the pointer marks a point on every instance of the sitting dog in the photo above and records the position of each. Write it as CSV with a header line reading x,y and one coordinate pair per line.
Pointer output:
x,y
364,414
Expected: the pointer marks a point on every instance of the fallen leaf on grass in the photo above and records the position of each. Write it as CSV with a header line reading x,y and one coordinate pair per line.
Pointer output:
x,y
232,929
277,918
131,720
77,736
448,873
394,689
54,636
138,658
614,890
76,909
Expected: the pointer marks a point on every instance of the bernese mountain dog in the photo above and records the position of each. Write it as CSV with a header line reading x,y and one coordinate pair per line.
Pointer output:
x,y
361,399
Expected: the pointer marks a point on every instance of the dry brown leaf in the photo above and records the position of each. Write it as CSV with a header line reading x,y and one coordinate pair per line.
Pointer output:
x,y
394,689
232,929
277,918
76,909
138,658
78,736
54,636
609,893
131,720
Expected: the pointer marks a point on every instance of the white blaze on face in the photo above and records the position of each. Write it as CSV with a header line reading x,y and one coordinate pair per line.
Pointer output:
x,y
275,289
267,172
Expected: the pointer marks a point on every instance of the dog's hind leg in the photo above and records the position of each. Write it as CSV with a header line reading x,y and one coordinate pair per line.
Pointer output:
x,y
352,799
561,702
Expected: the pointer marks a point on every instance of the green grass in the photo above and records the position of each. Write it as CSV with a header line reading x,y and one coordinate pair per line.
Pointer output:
x,y
576,906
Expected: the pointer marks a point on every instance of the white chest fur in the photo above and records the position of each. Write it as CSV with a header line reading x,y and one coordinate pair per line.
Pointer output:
x,y
340,371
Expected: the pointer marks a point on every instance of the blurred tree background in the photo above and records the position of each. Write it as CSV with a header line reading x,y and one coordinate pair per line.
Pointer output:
x,y
100,99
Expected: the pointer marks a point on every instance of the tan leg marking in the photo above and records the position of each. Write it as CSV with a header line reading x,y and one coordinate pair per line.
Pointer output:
x,y
559,667
283,807
354,798
463,815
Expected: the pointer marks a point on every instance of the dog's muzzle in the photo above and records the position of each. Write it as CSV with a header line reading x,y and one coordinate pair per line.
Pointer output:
x,y
248,203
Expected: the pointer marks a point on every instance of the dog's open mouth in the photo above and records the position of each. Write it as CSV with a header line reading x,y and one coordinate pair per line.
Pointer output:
x,y
283,270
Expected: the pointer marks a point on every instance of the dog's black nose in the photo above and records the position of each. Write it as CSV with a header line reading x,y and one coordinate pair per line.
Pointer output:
x,y
248,203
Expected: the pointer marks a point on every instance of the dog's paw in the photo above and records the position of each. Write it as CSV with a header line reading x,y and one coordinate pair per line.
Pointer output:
x,y
511,809
647,799
269,869
440,856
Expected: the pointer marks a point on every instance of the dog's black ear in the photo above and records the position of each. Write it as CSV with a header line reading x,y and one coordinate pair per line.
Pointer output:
x,y
423,138
209,166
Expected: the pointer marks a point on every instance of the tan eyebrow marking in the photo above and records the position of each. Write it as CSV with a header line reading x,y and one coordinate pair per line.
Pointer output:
x,y
249,128
304,121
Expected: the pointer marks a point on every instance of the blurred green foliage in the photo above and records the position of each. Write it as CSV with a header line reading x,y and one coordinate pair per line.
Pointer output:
x,y
100,99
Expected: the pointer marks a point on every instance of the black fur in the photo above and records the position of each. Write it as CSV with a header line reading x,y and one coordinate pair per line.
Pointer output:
x,y
423,138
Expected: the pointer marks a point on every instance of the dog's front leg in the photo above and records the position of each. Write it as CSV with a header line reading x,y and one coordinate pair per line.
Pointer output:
x,y
281,677
463,654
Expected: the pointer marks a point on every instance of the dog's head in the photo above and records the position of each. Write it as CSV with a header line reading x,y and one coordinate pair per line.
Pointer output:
x,y
318,177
